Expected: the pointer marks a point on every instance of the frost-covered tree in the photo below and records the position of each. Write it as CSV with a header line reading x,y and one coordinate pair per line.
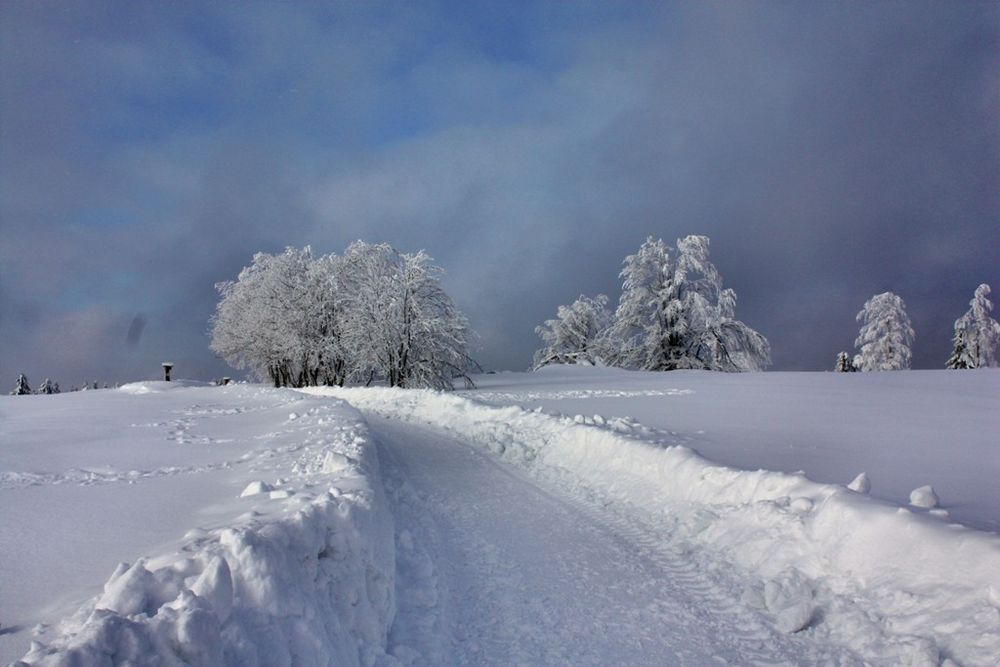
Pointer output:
x,y
319,323
844,364
960,358
400,325
46,387
676,315
373,314
886,334
575,335
977,335
21,387
258,324
633,338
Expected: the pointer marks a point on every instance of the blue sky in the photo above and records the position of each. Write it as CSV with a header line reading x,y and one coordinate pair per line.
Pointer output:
x,y
830,150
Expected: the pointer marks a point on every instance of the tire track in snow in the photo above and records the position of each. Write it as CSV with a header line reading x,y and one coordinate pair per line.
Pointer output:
x,y
495,568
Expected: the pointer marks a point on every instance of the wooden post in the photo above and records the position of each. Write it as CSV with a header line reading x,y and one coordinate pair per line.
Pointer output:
x,y
166,371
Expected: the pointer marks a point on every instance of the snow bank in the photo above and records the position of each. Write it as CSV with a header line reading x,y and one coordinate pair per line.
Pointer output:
x,y
159,386
897,586
301,577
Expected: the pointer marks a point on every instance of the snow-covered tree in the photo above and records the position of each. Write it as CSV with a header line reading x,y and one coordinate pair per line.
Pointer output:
x,y
844,364
21,387
400,325
633,338
977,335
675,314
575,335
960,358
46,387
886,334
373,314
257,324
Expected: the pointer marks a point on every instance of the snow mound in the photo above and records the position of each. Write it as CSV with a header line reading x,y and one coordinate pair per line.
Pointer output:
x,y
308,580
924,497
861,484
256,488
790,598
894,586
159,386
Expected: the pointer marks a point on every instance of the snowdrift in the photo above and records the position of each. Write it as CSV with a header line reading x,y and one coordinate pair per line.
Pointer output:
x,y
159,386
305,576
896,585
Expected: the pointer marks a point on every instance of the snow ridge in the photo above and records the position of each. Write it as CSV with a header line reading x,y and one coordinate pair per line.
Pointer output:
x,y
893,585
306,577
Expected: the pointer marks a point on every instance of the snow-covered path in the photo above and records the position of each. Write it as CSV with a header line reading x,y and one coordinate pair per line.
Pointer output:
x,y
495,569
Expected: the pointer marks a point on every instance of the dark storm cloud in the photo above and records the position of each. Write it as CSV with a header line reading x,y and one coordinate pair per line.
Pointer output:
x,y
831,151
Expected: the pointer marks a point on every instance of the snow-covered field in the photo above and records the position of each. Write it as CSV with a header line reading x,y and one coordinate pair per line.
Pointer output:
x,y
162,477
904,429
557,517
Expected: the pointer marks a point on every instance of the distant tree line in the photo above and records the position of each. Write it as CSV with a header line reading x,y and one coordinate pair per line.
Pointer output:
x,y
886,336
373,314
23,388
673,313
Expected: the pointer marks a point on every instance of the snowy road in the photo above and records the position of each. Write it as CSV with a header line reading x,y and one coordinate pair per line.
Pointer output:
x,y
495,569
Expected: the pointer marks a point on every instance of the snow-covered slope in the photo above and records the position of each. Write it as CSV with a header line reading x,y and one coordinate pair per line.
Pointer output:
x,y
256,528
896,585
904,429
252,522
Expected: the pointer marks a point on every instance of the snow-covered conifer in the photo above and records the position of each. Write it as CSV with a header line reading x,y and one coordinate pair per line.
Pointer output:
x,y
960,358
575,335
46,387
631,340
21,387
886,334
844,364
977,335
675,315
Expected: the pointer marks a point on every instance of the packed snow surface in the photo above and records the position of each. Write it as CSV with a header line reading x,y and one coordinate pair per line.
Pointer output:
x,y
850,571
903,429
570,516
232,534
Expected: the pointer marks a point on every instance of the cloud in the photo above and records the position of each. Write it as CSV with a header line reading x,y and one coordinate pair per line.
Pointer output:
x,y
831,152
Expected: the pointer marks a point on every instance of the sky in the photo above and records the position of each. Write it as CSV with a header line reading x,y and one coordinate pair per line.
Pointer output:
x,y
830,150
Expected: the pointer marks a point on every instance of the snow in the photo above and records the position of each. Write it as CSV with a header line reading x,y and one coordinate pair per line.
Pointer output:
x,y
497,569
255,488
144,484
891,585
903,429
576,515
861,483
924,497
